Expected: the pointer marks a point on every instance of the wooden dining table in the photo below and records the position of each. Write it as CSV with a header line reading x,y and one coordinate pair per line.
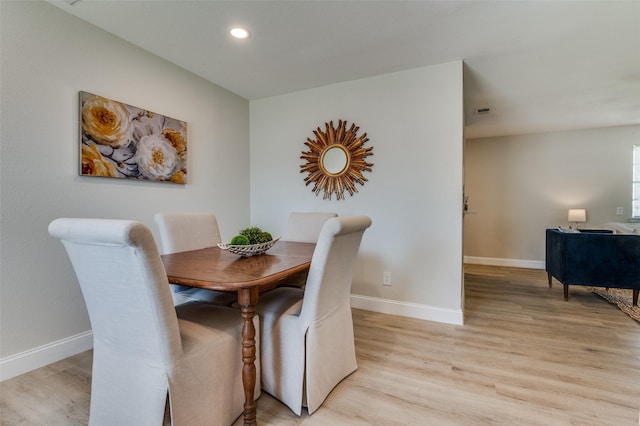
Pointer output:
x,y
217,269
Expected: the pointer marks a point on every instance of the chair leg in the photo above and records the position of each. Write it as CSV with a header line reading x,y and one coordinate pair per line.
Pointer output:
x,y
550,278
635,297
566,292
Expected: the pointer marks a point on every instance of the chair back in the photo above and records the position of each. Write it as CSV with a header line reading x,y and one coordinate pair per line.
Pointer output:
x,y
187,231
331,272
305,227
125,288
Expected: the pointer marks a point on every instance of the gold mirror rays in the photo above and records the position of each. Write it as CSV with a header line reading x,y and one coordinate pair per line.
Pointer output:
x,y
336,159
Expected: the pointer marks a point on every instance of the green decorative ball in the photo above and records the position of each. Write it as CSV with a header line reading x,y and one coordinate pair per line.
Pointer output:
x,y
265,237
240,240
256,235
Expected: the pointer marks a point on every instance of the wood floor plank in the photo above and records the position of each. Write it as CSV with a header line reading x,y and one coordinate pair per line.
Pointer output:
x,y
524,356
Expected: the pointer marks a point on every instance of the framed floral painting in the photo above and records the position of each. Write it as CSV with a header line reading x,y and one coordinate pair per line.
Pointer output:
x,y
121,141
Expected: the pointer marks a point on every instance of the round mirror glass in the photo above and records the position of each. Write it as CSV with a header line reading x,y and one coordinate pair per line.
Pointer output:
x,y
334,160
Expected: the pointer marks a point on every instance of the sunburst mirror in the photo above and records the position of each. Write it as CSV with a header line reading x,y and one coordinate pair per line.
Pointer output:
x,y
336,159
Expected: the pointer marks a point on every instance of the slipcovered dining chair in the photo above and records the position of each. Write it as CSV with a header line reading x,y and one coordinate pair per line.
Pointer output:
x,y
185,232
148,354
304,227
307,343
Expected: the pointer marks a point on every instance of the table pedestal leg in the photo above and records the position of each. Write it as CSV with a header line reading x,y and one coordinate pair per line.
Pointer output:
x,y
248,298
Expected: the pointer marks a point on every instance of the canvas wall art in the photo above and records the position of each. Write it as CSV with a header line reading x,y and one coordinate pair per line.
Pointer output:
x,y
126,142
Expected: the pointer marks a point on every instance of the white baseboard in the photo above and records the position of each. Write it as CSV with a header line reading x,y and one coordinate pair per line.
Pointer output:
x,y
514,263
24,362
407,309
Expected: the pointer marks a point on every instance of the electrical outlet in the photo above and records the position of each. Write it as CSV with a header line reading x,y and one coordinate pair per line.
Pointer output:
x,y
619,211
386,278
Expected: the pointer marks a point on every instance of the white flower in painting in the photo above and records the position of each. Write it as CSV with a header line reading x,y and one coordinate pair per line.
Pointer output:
x,y
157,159
146,123
106,121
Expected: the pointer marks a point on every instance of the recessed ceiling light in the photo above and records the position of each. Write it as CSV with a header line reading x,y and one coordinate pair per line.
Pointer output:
x,y
238,32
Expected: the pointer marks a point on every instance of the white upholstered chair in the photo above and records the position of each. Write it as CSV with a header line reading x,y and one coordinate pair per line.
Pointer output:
x,y
304,227
146,352
185,232
307,343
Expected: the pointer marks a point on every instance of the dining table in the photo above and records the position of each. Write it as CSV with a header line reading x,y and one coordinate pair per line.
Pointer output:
x,y
218,269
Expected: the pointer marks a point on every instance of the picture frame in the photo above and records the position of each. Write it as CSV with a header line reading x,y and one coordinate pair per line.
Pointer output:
x,y
121,141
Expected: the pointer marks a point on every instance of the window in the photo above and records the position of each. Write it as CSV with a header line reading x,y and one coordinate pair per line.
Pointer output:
x,y
635,203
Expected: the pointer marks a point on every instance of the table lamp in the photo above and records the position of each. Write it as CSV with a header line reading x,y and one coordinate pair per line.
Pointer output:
x,y
577,215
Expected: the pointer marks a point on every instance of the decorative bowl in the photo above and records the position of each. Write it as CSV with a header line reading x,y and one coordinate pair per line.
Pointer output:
x,y
250,249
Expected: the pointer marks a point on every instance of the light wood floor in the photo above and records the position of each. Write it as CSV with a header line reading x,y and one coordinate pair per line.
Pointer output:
x,y
523,357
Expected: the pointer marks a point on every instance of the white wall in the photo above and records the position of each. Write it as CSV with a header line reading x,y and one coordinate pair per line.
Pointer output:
x,y
521,185
47,57
414,120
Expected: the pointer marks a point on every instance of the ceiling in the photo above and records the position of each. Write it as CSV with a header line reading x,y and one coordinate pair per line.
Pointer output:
x,y
538,66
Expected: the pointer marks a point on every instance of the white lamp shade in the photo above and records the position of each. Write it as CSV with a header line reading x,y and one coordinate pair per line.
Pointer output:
x,y
577,215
